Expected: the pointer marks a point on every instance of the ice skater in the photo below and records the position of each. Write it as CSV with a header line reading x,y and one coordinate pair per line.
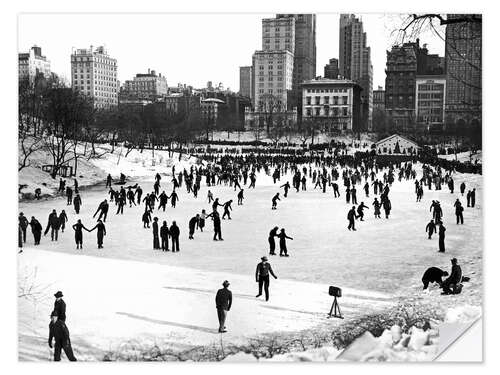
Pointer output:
x,y
272,244
283,249
101,232
223,302
274,201
78,228
262,276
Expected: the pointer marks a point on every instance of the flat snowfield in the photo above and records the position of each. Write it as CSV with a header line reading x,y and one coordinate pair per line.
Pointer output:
x,y
128,291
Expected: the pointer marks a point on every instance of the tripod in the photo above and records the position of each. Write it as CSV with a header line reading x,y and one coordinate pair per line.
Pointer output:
x,y
335,308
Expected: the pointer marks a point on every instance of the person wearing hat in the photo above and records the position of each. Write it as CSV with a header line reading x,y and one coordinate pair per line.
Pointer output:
x,y
59,332
23,224
454,279
60,306
262,276
223,301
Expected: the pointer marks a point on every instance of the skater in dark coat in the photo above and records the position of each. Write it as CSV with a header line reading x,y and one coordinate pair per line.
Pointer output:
x,y
272,244
131,197
58,332
36,229
468,198
63,219
282,236
240,198
430,228
274,201
459,211
193,224
108,181
60,306
69,196
103,210
217,225
156,238
262,276
227,208
77,203
121,201
442,229
53,224
360,211
23,224
286,186
101,232
223,302
138,191
146,218
387,207
174,198
163,199
351,217
164,234
462,188
354,199
174,235
433,275
473,197
78,228
376,208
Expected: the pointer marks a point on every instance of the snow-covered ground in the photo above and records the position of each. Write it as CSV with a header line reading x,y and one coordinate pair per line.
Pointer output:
x,y
163,296
465,157
94,171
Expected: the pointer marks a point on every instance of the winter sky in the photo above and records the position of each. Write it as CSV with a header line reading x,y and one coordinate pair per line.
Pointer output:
x,y
193,48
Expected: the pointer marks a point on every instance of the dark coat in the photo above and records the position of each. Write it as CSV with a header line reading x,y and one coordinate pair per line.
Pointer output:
x,y
60,309
433,275
174,231
224,299
59,332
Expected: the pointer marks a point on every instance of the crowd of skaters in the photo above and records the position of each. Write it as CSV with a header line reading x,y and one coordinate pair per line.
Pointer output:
x,y
323,171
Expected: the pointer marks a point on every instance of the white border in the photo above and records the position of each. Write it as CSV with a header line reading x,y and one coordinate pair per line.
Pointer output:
x,y
8,313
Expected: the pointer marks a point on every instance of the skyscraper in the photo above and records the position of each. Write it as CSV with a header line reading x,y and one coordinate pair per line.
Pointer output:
x,y
355,61
332,69
94,73
463,70
272,67
246,81
304,61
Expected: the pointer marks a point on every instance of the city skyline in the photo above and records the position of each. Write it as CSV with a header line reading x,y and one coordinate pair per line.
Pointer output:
x,y
152,41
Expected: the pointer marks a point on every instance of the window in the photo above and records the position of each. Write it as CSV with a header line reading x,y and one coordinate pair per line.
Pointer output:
x,y
317,99
308,100
344,100
326,99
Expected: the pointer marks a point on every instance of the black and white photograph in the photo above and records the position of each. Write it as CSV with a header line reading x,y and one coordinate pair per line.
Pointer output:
x,y
248,187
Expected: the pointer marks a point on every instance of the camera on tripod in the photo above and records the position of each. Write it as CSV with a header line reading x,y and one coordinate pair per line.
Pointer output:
x,y
335,292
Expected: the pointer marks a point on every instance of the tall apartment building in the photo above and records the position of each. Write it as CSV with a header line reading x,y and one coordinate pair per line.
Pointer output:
x,y
273,72
403,65
304,61
272,67
148,85
355,62
336,102
32,64
246,82
94,73
331,70
464,70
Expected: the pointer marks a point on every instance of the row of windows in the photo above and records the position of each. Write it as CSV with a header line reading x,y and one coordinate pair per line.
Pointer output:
x,y
326,100
325,90
327,112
